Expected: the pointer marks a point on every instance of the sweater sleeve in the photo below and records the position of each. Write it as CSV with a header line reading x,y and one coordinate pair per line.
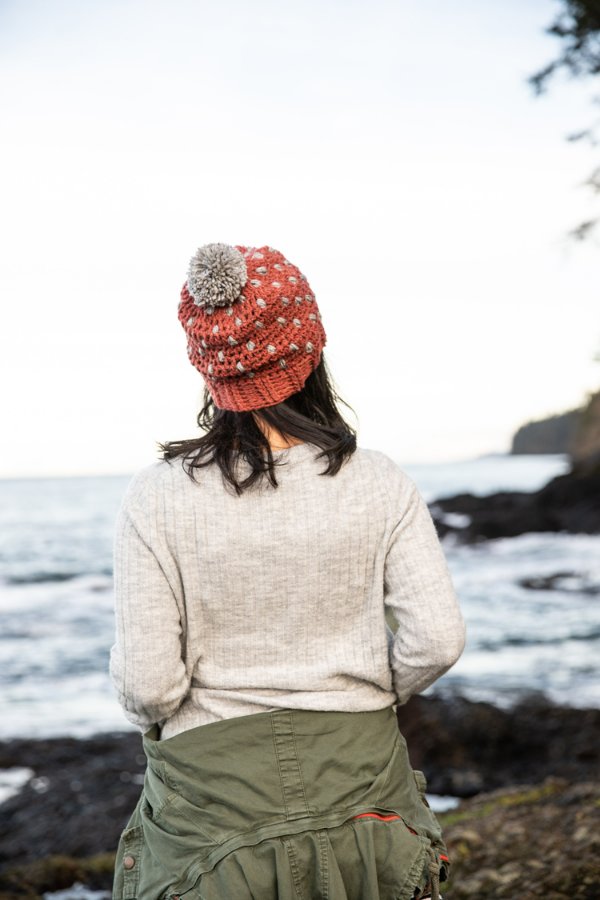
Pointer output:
x,y
146,665
431,631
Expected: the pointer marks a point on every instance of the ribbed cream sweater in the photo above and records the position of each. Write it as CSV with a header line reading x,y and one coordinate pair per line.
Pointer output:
x,y
228,605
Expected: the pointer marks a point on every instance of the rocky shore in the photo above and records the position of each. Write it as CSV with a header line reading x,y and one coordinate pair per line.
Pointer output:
x,y
466,747
535,840
568,503
526,776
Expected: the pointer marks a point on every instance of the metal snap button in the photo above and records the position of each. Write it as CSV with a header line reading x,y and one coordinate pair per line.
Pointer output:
x,y
128,862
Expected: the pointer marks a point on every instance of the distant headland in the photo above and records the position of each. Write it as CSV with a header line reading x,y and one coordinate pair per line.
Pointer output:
x,y
568,503
575,432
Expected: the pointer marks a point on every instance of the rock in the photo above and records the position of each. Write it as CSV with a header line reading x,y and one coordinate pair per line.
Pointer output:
x,y
568,503
31,881
79,801
465,747
520,843
566,581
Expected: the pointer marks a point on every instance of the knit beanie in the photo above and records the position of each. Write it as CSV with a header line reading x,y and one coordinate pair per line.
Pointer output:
x,y
253,327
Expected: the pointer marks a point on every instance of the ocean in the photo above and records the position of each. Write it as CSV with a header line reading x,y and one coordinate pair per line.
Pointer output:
x,y
56,600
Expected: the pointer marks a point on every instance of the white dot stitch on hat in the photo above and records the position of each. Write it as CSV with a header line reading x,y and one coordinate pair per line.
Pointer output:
x,y
282,363
297,322
259,324
275,284
260,302
309,347
285,300
281,320
255,282
238,321
250,345
215,329
271,348
292,279
262,270
240,366
294,346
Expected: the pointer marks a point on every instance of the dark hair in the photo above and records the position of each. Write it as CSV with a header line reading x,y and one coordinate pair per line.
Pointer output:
x,y
310,415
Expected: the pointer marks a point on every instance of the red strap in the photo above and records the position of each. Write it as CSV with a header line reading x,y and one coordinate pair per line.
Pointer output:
x,y
375,816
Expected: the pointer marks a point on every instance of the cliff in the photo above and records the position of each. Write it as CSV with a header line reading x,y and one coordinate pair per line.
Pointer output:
x,y
576,432
585,445
554,434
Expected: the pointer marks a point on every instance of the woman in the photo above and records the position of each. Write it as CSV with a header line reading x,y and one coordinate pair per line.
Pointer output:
x,y
252,650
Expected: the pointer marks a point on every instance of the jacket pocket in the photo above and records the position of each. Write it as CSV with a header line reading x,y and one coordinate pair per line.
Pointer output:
x,y
380,850
438,845
421,784
127,864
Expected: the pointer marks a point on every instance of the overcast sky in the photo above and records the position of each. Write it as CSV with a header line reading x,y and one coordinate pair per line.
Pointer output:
x,y
392,150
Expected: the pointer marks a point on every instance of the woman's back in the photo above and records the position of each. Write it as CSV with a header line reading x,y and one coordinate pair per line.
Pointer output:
x,y
276,598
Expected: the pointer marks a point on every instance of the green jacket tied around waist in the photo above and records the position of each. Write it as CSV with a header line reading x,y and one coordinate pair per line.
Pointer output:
x,y
283,804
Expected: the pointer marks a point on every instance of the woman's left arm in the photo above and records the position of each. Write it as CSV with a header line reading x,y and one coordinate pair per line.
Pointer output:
x,y
418,588
146,663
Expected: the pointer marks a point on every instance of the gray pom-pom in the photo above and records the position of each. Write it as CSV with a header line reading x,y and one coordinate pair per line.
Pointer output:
x,y
216,275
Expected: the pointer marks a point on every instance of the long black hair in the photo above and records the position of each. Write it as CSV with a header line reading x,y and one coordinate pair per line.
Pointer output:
x,y
310,416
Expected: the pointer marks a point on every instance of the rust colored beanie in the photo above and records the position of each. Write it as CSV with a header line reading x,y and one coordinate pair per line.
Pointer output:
x,y
253,327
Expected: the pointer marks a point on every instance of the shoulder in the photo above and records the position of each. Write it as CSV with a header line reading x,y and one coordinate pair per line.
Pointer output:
x,y
148,484
384,467
386,482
